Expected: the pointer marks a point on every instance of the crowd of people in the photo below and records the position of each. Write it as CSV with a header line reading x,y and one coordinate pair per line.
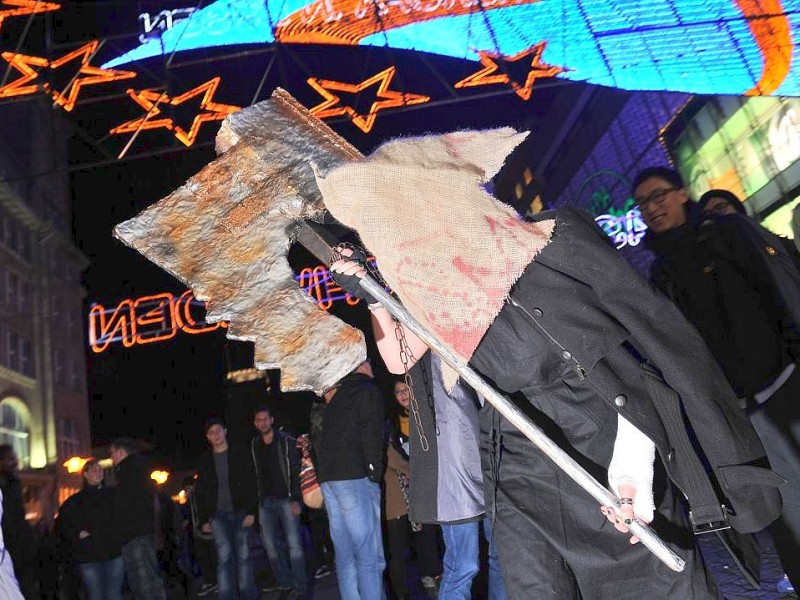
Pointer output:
x,y
610,367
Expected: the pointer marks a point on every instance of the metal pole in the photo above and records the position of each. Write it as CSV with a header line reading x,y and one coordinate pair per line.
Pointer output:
x,y
517,418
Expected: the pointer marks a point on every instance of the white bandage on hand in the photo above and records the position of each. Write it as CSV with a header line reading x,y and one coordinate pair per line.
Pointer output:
x,y
632,464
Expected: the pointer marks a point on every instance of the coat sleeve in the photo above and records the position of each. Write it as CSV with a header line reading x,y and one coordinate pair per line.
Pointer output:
x,y
371,418
395,461
663,334
294,469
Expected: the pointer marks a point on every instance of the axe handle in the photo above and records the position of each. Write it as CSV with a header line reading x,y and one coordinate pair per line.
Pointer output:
x,y
313,238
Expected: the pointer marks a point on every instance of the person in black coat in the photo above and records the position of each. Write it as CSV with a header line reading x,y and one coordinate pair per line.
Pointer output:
x,y
19,537
608,368
134,520
350,468
227,504
86,523
738,284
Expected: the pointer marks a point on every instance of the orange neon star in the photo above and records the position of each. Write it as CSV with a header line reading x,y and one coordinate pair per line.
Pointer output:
x,y
489,75
150,100
24,7
332,106
94,75
23,64
67,97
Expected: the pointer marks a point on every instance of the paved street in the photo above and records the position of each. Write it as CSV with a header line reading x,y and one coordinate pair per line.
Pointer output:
x,y
732,584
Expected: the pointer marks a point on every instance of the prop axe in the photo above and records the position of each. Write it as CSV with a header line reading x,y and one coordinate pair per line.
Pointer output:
x,y
227,231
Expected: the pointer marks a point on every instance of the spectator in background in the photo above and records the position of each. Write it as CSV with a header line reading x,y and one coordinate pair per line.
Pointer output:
x,y
400,530
277,466
318,517
227,501
720,203
721,276
349,468
9,586
134,520
201,544
18,534
86,522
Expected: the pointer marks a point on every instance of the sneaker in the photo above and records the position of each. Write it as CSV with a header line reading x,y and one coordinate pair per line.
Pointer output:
x,y
322,571
785,586
205,590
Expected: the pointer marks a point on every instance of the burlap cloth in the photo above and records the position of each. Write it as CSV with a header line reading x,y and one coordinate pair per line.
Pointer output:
x,y
448,249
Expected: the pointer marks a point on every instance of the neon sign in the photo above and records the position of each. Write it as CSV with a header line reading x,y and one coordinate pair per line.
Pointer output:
x,y
32,66
17,8
738,46
625,229
384,98
150,100
145,320
155,26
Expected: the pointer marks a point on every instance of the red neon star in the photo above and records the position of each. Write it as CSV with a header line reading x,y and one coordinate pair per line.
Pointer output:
x,y
24,65
94,75
150,100
24,7
489,75
332,106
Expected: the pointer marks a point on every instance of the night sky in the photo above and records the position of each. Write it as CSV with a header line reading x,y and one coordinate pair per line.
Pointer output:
x,y
163,392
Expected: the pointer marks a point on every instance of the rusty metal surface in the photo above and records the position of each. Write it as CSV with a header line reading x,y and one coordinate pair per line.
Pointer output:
x,y
227,231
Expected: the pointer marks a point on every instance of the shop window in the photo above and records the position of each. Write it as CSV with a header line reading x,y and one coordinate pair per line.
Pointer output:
x,y
14,429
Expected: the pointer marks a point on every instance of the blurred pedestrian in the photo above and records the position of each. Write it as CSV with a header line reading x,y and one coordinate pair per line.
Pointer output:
x,y
227,502
135,520
19,536
201,544
86,521
277,466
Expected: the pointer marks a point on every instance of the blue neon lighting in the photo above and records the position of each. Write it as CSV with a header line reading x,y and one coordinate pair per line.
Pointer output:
x,y
697,46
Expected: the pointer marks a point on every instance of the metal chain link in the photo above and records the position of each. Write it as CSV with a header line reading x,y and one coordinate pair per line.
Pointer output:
x,y
405,355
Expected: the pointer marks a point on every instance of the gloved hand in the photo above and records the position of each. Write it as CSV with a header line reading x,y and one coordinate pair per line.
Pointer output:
x,y
348,270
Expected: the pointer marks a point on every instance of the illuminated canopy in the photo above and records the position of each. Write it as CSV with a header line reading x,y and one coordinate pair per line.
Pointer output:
x,y
697,46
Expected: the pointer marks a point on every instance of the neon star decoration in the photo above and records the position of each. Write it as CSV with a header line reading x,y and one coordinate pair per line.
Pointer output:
x,y
384,98
32,67
17,8
491,74
151,100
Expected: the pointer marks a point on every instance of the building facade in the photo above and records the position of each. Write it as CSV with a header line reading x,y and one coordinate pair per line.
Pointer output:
x,y
43,399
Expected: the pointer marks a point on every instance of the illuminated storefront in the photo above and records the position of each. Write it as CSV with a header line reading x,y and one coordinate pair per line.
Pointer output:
x,y
750,146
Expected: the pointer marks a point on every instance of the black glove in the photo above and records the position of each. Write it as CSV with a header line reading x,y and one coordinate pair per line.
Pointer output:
x,y
350,283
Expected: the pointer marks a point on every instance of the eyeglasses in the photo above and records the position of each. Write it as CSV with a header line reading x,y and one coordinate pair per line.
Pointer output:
x,y
656,197
401,391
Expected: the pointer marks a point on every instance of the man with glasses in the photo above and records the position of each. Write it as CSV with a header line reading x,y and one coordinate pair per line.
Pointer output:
x,y
720,277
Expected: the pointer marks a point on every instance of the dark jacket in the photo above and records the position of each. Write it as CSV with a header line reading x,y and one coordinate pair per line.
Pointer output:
x,y
289,463
17,533
242,478
714,272
351,444
134,499
584,338
91,510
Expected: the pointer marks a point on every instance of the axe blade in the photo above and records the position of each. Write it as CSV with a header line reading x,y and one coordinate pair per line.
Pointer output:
x,y
227,231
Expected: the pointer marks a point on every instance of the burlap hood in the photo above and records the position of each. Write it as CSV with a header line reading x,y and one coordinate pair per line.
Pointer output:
x,y
448,249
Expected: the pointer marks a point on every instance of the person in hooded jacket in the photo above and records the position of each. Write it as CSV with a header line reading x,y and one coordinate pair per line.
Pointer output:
x,y
726,273
86,523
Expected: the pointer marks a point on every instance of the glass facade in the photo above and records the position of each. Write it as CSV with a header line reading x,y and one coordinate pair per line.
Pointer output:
x,y
749,146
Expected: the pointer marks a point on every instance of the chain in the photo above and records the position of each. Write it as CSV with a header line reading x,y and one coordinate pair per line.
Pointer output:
x,y
405,356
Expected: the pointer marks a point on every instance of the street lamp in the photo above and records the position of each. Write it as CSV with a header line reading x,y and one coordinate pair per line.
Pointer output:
x,y
75,464
160,477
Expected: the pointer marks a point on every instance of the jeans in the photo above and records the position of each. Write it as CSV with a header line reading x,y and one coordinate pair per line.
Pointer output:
x,y
777,423
103,579
461,562
289,565
354,507
233,557
141,568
